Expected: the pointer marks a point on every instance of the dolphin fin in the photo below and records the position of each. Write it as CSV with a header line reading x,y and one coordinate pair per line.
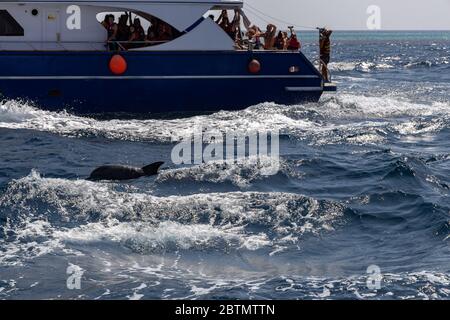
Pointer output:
x,y
152,169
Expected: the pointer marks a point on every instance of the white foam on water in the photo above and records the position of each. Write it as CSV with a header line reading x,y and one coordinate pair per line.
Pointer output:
x,y
241,173
342,66
301,121
15,115
136,295
52,213
345,106
420,127
415,64
365,139
409,285
99,201
166,236
32,239
363,66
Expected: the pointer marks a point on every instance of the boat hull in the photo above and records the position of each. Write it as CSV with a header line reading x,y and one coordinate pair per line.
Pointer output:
x,y
157,82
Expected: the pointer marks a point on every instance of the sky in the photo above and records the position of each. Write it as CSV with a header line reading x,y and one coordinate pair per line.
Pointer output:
x,y
352,14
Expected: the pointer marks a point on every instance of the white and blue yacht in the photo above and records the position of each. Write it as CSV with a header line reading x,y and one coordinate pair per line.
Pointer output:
x,y
54,53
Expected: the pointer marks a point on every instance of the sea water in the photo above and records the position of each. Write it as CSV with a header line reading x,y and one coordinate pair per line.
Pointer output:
x,y
360,207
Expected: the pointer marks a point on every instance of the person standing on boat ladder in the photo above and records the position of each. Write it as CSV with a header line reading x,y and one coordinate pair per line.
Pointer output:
x,y
325,50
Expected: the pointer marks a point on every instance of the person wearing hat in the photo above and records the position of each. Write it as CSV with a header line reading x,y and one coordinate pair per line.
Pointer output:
x,y
325,50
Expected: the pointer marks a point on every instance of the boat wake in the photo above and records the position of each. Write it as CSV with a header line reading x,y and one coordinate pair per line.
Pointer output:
x,y
342,118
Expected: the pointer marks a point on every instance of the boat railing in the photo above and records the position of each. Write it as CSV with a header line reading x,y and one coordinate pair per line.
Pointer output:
x,y
69,45
125,45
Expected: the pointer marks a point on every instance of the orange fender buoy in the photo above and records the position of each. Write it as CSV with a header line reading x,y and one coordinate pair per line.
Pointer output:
x,y
254,66
118,64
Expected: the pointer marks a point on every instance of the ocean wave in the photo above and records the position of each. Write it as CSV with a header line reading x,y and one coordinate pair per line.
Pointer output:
x,y
333,120
427,64
419,64
420,285
386,63
241,173
167,284
362,66
17,115
344,106
166,236
421,126
399,170
57,210
423,285
414,172
156,282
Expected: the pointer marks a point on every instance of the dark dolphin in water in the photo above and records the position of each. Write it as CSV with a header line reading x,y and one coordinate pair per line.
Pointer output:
x,y
117,172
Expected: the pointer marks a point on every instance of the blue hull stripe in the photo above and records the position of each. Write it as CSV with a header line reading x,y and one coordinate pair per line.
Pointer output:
x,y
153,77
295,89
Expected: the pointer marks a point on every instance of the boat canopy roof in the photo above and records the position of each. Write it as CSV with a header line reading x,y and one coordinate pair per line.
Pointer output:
x,y
55,24
179,13
109,3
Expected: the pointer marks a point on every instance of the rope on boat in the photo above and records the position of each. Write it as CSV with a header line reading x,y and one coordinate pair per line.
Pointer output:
x,y
258,13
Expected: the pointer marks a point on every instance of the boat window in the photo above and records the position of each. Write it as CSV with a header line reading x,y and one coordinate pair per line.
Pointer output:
x,y
136,30
9,26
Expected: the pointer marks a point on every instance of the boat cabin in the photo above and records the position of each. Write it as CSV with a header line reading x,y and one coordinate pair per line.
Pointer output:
x,y
76,25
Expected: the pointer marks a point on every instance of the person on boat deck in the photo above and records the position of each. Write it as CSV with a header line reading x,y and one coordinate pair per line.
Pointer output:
x,y
224,22
325,50
152,32
123,30
281,41
105,22
137,32
293,43
254,33
164,32
112,29
234,29
269,36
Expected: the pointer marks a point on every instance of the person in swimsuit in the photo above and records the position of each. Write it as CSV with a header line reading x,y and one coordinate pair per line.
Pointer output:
x,y
325,50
